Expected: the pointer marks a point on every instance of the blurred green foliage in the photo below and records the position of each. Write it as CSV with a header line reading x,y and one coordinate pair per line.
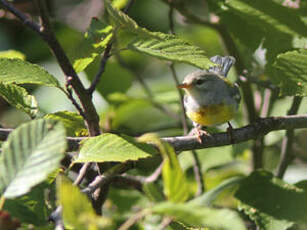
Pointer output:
x,y
271,41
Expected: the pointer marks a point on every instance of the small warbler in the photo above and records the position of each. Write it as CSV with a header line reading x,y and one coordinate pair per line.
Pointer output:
x,y
211,99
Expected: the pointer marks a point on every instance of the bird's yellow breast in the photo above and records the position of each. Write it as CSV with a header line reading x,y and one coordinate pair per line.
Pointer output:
x,y
212,114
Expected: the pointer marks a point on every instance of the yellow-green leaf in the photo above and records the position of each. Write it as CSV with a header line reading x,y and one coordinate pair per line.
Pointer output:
x,y
76,208
111,147
12,54
174,181
22,72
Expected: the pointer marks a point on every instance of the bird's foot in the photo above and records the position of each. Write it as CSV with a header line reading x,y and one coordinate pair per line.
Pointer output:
x,y
200,133
230,133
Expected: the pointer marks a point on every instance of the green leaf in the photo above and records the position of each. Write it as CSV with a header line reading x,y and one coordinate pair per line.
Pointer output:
x,y
73,122
21,72
290,73
160,45
207,198
197,216
172,48
31,152
77,209
96,39
123,20
12,54
19,98
110,147
174,181
261,21
30,208
270,202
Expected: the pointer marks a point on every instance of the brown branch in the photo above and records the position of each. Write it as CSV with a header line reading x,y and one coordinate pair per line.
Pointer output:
x,y
260,127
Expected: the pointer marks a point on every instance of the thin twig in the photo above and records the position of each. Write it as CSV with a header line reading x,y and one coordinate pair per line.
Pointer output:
x,y
105,57
196,165
286,155
69,94
201,188
132,220
183,117
102,180
82,173
170,19
165,223
155,175
22,17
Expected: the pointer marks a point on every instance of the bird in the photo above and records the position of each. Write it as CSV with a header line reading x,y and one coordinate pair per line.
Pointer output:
x,y
210,98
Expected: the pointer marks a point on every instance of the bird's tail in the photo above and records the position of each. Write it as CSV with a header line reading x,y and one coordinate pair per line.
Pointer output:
x,y
223,64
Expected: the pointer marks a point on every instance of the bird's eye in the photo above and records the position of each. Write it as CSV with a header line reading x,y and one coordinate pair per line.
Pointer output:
x,y
200,81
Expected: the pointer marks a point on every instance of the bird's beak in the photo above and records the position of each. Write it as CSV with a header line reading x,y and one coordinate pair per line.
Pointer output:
x,y
184,86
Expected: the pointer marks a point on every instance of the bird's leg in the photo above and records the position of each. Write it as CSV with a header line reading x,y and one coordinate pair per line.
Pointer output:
x,y
230,132
200,133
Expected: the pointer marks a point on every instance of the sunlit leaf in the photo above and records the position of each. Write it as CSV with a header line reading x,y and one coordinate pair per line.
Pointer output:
x,y
77,209
21,72
19,98
172,48
162,46
94,42
12,54
111,147
31,152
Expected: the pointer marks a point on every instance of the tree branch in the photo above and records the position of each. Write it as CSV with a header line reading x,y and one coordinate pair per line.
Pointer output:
x,y
260,127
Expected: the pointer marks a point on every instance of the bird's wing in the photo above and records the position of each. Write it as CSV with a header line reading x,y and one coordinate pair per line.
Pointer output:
x,y
223,64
